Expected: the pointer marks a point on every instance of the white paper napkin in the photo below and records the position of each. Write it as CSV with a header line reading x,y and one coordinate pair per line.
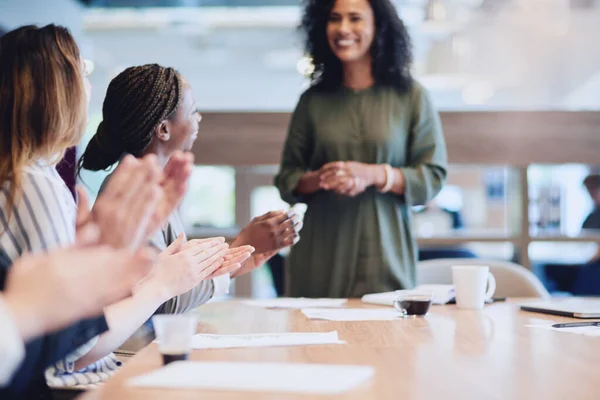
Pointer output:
x,y
352,314
272,377
202,341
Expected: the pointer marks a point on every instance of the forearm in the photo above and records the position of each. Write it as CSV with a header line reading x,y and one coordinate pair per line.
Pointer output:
x,y
12,348
124,318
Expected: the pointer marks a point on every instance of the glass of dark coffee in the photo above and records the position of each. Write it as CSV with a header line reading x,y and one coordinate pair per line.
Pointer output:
x,y
174,335
413,304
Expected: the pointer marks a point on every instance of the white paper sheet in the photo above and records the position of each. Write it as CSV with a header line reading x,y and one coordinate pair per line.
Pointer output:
x,y
352,314
267,377
442,294
296,303
202,341
580,330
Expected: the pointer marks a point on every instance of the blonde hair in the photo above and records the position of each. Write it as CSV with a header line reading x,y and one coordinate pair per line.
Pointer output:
x,y
43,110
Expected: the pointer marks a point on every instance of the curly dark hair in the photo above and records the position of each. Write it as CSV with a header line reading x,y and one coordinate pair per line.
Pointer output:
x,y
391,48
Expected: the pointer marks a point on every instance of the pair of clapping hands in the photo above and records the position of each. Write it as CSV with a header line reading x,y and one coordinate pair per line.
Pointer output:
x,y
110,257
48,291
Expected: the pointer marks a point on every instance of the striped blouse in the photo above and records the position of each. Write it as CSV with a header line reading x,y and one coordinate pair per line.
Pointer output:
x,y
43,218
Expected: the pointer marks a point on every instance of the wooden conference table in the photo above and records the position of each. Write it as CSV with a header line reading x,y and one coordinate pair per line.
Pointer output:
x,y
450,354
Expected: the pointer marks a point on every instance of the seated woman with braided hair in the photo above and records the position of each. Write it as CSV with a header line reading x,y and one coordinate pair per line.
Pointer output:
x,y
150,109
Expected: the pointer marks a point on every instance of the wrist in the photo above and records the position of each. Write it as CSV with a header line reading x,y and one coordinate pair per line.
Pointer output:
x,y
389,178
241,239
153,291
378,175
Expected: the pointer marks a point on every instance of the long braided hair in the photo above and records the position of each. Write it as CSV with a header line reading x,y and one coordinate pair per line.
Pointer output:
x,y
137,101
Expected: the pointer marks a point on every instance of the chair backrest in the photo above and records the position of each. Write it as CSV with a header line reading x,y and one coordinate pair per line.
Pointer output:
x,y
512,280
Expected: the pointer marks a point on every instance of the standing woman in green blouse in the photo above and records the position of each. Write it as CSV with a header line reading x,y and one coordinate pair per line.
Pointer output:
x,y
364,145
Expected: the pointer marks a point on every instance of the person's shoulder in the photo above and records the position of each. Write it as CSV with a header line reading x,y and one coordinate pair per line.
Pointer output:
x,y
313,91
419,95
415,90
44,179
308,97
41,172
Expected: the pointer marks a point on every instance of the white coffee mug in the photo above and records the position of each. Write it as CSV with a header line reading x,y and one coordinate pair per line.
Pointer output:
x,y
470,282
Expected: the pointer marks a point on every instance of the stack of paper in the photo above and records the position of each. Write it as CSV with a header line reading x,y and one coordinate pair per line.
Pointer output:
x,y
353,314
442,294
202,341
272,377
296,303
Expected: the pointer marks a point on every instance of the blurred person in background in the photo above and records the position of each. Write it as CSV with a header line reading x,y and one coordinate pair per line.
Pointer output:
x,y
592,184
150,109
365,144
592,221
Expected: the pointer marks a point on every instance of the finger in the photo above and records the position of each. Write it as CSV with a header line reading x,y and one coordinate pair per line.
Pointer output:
x,y
225,269
173,164
176,246
333,182
174,184
196,248
358,188
343,186
298,227
269,215
117,184
292,212
287,224
200,241
238,258
87,235
209,266
290,241
202,256
332,166
140,177
83,205
355,191
289,233
142,209
332,173
180,166
240,249
279,218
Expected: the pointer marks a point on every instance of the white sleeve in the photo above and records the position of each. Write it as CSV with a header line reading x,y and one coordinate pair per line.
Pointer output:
x,y
12,348
221,284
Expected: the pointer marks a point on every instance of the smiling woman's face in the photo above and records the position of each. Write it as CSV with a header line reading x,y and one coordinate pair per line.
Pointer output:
x,y
183,125
351,29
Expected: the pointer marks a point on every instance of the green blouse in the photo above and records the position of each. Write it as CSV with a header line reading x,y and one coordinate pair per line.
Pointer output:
x,y
351,246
